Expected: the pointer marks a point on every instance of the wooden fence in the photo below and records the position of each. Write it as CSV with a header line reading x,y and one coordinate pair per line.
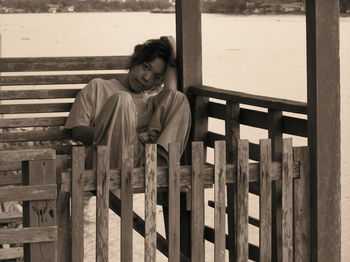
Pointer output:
x,y
292,171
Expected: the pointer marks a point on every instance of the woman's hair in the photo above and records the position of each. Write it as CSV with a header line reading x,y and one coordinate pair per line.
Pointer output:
x,y
152,49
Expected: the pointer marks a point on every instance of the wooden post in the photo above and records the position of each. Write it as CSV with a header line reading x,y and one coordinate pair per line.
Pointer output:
x,y
323,86
39,213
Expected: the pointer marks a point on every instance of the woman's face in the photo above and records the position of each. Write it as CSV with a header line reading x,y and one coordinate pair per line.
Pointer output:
x,y
147,75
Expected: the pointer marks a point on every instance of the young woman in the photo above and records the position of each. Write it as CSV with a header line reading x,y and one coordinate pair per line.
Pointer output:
x,y
142,107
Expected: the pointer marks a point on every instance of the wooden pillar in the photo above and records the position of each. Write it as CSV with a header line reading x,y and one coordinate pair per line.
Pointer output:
x,y
324,127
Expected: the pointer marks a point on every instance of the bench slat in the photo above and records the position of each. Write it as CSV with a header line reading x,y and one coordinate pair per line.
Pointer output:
x,y
38,94
35,108
60,149
37,135
33,122
54,79
30,64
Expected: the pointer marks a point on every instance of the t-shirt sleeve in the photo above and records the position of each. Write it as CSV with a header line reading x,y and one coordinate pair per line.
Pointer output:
x,y
83,109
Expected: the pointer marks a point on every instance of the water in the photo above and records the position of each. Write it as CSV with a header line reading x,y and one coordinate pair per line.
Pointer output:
x,y
255,54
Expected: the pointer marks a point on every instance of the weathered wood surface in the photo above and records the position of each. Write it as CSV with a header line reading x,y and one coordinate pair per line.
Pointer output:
x,y
9,178
174,203
102,204
60,149
33,122
126,223
232,134
26,155
248,99
37,135
302,237
10,218
30,64
219,198
77,202
287,201
28,193
30,235
265,201
259,119
54,79
197,243
185,176
11,253
150,203
242,188
35,108
40,213
38,94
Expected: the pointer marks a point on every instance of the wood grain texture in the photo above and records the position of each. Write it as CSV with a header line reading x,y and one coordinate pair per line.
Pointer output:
x,y
37,135
174,202
220,198
248,99
197,203
35,108
265,201
242,188
31,235
287,201
33,122
26,155
31,64
151,203
78,167
302,237
11,253
126,223
28,193
40,213
102,204
38,94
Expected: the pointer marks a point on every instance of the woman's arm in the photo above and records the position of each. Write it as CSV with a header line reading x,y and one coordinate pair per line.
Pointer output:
x,y
84,134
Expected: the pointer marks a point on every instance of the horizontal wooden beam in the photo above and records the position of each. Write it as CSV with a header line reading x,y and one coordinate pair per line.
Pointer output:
x,y
26,155
11,253
28,193
30,64
36,135
33,122
248,99
35,108
38,94
28,235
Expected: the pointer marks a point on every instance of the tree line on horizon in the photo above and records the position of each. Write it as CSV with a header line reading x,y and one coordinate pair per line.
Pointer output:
x,y
232,6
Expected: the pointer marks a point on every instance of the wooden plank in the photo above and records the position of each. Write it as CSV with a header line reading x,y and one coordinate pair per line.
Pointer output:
x,y
248,99
54,79
11,253
232,134
126,204
35,108
30,64
220,197
197,218
302,237
37,135
52,145
324,128
242,188
10,178
151,203
38,94
6,218
77,202
28,193
102,204
30,235
287,200
275,134
26,155
294,126
33,122
265,200
40,213
174,203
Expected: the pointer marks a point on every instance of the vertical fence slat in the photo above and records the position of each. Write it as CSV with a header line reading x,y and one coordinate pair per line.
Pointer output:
x,y
78,163
197,218
302,248
150,202
126,204
242,189
287,200
265,200
232,134
219,197
102,204
174,202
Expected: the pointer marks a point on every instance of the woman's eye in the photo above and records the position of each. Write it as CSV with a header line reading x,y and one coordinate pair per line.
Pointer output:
x,y
145,67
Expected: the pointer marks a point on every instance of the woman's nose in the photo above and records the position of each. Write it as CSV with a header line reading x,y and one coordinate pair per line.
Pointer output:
x,y
146,76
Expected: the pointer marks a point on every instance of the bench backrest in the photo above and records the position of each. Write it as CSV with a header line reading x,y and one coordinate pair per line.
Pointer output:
x,y
36,95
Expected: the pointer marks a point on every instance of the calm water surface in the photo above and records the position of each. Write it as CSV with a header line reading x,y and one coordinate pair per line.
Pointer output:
x,y
256,54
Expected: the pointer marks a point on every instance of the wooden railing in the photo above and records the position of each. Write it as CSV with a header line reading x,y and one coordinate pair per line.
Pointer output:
x,y
290,171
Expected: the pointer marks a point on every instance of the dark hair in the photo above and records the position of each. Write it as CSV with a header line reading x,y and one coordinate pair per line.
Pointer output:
x,y
152,49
